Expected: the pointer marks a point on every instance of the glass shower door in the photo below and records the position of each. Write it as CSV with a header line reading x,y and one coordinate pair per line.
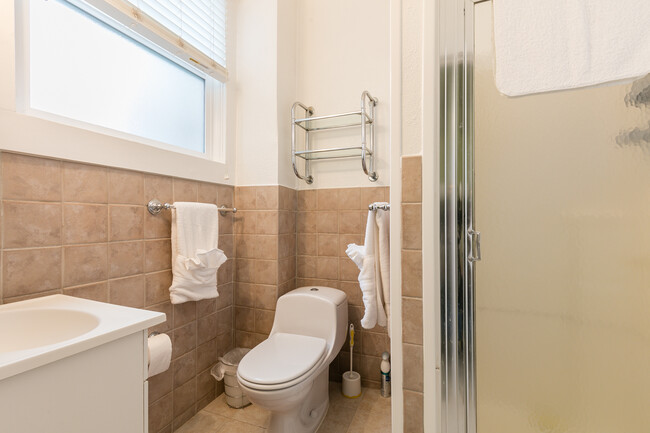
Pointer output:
x,y
562,199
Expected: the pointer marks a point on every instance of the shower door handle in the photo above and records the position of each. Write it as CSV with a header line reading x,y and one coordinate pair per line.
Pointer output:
x,y
474,235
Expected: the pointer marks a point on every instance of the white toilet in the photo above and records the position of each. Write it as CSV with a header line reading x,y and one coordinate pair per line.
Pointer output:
x,y
288,372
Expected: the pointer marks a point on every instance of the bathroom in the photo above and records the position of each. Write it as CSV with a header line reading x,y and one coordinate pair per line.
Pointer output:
x,y
543,329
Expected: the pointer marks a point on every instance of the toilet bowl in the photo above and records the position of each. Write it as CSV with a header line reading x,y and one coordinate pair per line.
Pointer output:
x,y
288,372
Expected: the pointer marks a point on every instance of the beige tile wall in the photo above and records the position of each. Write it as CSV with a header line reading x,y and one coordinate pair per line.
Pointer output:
x,y
83,230
327,221
265,244
412,293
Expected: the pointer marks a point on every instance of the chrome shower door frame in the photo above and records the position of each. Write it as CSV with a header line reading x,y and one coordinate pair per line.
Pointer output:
x,y
457,240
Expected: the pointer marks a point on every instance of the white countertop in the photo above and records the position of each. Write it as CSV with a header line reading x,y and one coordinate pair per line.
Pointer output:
x,y
43,330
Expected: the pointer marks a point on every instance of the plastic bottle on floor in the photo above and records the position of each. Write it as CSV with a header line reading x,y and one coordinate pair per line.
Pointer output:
x,y
385,374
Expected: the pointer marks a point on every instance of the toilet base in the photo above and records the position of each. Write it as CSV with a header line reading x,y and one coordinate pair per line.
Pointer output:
x,y
299,409
307,416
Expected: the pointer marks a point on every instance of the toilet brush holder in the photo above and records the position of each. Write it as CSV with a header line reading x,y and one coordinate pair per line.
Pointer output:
x,y
351,386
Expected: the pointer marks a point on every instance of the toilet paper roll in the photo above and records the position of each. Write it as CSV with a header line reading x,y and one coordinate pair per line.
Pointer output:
x,y
160,353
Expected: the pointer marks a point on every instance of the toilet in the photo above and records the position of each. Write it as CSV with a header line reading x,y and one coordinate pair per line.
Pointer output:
x,y
288,373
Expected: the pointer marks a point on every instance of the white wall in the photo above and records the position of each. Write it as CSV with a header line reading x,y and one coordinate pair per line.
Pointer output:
x,y
266,87
256,94
412,79
287,66
343,49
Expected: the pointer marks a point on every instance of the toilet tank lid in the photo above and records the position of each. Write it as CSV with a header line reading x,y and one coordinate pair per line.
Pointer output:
x,y
335,296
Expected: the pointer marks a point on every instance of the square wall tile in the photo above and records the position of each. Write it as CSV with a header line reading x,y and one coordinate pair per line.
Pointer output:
x,y
125,258
327,222
126,187
327,199
85,183
126,222
350,198
31,271
158,187
85,223
31,224
157,287
267,197
328,244
85,264
226,195
128,291
245,197
307,200
30,178
208,193
185,190
157,255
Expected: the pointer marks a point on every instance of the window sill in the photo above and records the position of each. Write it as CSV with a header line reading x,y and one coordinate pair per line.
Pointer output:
x,y
32,135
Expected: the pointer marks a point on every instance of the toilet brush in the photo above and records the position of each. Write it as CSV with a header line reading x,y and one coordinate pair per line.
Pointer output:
x,y
351,379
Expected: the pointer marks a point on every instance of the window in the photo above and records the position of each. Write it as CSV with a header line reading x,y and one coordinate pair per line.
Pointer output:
x,y
87,67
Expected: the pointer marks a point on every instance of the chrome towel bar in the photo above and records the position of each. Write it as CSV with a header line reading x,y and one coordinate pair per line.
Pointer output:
x,y
376,206
155,207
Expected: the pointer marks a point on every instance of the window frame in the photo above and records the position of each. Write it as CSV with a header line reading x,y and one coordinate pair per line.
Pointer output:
x,y
215,90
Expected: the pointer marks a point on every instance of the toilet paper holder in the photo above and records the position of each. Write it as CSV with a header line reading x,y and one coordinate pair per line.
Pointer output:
x,y
153,334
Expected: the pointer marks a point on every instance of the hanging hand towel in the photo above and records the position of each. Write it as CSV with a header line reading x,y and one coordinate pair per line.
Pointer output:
x,y
382,218
542,46
195,253
369,276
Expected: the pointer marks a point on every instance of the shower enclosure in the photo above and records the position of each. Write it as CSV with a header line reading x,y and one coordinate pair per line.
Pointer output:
x,y
550,330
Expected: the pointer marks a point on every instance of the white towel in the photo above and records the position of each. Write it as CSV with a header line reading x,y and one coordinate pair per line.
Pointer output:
x,y
382,218
195,253
367,259
549,45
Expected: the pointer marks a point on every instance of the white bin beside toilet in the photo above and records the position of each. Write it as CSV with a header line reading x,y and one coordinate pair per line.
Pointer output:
x,y
226,369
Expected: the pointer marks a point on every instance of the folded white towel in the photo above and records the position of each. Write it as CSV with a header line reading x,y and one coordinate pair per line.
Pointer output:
x,y
370,277
195,253
551,45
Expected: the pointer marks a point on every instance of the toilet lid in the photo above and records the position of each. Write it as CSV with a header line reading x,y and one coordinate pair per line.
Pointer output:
x,y
281,358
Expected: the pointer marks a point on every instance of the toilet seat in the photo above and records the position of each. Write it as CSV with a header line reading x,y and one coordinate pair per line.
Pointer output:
x,y
281,361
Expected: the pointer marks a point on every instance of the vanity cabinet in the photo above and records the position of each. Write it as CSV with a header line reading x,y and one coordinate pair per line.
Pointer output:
x,y
101,390
70,365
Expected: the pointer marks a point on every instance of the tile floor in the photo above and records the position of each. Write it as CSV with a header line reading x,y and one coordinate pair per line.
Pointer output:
x,y
368,413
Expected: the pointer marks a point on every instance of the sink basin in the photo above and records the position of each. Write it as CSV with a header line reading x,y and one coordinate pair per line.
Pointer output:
x,y
43,330
42,327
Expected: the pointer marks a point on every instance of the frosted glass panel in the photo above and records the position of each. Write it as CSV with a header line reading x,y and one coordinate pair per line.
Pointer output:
x,y
563,291
83,69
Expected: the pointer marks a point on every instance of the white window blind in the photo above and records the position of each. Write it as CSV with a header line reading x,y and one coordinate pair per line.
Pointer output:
x,y
196,28
201,23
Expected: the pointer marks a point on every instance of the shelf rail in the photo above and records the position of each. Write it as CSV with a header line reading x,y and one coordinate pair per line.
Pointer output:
x,y
308,112
365,118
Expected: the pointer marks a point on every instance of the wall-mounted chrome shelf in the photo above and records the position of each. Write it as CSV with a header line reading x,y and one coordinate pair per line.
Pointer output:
x,y
364,118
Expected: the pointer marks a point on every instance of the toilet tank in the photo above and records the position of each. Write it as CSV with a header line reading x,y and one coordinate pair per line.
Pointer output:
x,y
315,311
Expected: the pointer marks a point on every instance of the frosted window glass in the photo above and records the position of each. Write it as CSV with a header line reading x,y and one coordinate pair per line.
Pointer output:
x,y
83,69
